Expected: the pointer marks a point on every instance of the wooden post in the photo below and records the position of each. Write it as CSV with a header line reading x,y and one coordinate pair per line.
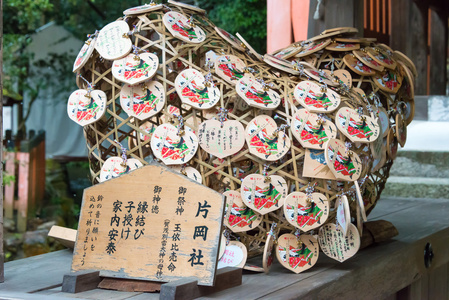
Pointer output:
x,y
22,204
10,168
417,46
438,52
2,255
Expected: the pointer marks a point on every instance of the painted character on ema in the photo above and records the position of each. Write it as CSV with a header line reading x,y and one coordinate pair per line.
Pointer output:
x,y
263,197
230,69
264,144
87,108
298,257
241,216
195,93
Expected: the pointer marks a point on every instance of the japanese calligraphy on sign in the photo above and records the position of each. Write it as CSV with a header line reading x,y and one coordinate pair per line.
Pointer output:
x,y
152,224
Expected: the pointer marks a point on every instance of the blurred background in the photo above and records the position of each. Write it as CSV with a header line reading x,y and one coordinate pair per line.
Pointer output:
x,y
45,167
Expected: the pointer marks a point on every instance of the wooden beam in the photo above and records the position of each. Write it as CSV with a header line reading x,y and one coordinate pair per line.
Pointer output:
x,y
438,52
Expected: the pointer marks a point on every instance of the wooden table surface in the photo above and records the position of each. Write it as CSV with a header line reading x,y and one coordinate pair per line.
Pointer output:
x,y
377,272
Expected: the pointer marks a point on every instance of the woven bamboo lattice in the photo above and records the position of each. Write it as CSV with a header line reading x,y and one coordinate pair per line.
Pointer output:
x,y
176,55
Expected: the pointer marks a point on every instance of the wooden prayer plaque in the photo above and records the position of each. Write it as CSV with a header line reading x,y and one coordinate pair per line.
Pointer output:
x,y
151,224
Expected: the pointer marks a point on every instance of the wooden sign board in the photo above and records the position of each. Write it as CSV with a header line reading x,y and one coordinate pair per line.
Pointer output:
x,y
151,224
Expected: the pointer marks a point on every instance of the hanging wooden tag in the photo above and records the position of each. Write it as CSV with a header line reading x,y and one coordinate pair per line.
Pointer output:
x,y
134,69
360,200
230,68
287,52
313,47
377,147
357,128
193,90
369,196
335,244
310,131
261,195
275,63
367,60
190,172
310,96
381,57
315,74
297,256
359,220
188,6
408,87
392,144
388,81
401,129
315,165
263,140
343,214
400,57
137,10
142,100
268,253
113,167
359,93
148,128
340,46
113,41
255,95
344,76
248,46
84,54
306,214
221,141
171,148
409,112
86,108
384,121
230,38
380,162
239,217
345,166
235,255
353,63
178,25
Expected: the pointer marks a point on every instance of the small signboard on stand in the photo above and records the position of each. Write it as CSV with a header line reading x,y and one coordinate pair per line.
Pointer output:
x,y
151,224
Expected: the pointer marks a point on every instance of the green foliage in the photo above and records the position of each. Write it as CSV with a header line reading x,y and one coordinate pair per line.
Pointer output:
x,y
247,17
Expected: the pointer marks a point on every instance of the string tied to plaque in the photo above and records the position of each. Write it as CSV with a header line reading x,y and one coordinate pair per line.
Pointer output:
x,y
124,156
180,125
265,173
348,152
136,51
320,121
300,68
227,235
362,117
90,37
323,87
183,170
282,128
272,231
298,237
130,33
330,65
249,70
222,115
90,86
265,86
309,191
191,22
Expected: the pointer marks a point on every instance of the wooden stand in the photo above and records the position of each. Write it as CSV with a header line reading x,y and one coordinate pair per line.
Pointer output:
x,y
183,289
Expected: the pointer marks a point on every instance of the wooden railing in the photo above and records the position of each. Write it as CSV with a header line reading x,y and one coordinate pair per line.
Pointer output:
x,y
23,196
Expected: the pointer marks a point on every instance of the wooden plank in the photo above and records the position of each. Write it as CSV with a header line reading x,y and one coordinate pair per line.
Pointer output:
x,y
129,285
438,52
438,282
179,239
22,203
32,182
81,281
65,236
9,189
37,272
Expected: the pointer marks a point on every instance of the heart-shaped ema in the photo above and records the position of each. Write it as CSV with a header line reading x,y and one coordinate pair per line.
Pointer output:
x,y
312,47
230,68
268,253
367,60
401,129
239,217
190,172
86,108
114,167
311,130
382,57
335,244
264,140
377,147
193,90
181,27
84,54
342,75
280,64
311,97
316,165
235,255
389,81
354,64
134,69
113,41
142,100
137,10
295,254
343,214
230,38
263,194
320,76
345,165
256,95
358,128
221,139
171,148
306,213
340,46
